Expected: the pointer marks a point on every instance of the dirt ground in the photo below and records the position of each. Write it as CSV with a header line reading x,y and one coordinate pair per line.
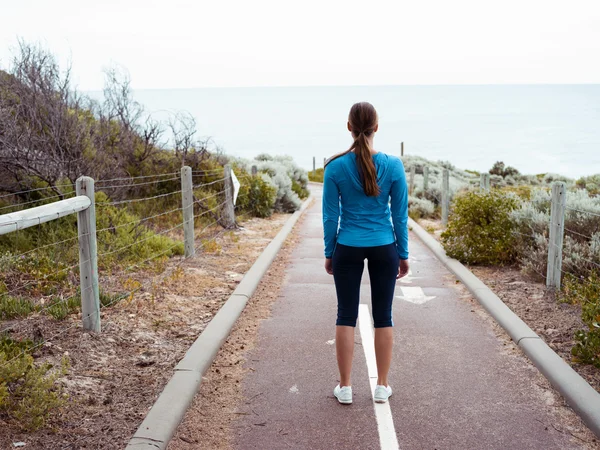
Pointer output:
x,y
554,322
219,402
116,375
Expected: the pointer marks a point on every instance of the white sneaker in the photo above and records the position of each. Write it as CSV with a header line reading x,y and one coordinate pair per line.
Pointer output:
x,y
382,393
343,394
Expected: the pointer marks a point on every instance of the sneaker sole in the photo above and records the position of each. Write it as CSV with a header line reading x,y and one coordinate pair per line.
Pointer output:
x,y
381,400
344,402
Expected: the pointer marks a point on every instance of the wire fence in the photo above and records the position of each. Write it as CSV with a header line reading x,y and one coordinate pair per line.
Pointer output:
x,y
569,237
115,257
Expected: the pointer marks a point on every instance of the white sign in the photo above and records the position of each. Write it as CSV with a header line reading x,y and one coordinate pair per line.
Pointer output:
x,y
236,186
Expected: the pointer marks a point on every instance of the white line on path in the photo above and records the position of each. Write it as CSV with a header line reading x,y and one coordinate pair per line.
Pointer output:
x,y
383,413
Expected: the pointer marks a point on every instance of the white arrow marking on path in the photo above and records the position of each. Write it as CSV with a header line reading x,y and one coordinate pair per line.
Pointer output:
x,y
414,294
407,279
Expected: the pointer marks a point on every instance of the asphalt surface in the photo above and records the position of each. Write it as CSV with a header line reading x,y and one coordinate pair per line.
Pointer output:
x,y
455,385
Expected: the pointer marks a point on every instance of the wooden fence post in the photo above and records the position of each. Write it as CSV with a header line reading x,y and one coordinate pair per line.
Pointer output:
x,y
88,257
324,161
187,204
425,178
228,209
402,149
445,196
557,230
314,166
411,185
254,170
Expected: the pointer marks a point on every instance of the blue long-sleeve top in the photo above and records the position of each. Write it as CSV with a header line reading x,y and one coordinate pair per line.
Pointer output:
x,y
352,218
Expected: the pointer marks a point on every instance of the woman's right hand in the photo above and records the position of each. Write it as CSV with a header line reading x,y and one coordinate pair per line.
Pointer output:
x,y
402,268
329,266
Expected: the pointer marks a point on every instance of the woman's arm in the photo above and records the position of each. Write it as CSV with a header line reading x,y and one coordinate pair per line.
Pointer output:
x,y
399,209
331,212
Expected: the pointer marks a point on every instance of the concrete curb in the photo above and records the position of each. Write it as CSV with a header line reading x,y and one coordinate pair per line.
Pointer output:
x,y
582,397
168,411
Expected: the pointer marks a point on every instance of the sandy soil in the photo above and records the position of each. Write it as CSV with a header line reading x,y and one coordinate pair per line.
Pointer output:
x,y
208,422
554,322
116,375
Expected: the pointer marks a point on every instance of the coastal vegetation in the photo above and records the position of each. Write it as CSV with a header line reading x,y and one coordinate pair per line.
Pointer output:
x,y
509,226
50,135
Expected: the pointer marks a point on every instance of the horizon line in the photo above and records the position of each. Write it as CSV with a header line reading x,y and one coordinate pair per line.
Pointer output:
x,y
340,86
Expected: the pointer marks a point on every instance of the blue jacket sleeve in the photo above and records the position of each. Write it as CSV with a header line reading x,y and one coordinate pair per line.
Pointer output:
x,y
399,210
331,211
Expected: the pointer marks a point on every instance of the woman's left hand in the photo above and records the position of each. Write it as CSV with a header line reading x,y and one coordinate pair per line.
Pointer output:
x,y
329,266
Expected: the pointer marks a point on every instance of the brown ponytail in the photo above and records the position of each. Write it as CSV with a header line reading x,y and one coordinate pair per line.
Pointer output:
x,y
363,120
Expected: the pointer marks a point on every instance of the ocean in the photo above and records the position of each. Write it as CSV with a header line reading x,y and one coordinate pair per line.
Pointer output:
x,y
535,128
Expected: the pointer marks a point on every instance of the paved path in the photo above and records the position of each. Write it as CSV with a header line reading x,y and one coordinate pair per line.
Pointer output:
x,y
455,386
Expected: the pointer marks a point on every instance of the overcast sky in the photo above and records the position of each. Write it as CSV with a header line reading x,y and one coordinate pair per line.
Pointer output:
x,y
185,44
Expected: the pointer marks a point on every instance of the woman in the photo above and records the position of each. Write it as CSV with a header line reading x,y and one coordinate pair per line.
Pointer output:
x,y
366,191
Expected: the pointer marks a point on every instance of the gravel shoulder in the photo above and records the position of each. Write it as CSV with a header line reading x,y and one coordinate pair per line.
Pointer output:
x,y
209,421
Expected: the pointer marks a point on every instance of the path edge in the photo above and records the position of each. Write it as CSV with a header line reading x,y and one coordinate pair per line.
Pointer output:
x,y
164,417
578,393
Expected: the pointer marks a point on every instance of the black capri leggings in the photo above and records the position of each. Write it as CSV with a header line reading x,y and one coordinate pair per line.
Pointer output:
x,y
348,266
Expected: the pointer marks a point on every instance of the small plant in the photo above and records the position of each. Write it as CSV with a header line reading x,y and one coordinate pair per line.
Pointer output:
x,y
480,230
29,393
60,309
232,236
585,291
107,300
15,307
211,246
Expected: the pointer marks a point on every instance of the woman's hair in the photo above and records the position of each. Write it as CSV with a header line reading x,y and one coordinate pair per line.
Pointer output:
x,y
363,120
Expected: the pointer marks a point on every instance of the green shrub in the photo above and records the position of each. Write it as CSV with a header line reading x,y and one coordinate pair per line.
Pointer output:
x,y
316,176
419,208
60,309
257,196
480,230
585,291
12,348
123,230
299,190
15,307
29,393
